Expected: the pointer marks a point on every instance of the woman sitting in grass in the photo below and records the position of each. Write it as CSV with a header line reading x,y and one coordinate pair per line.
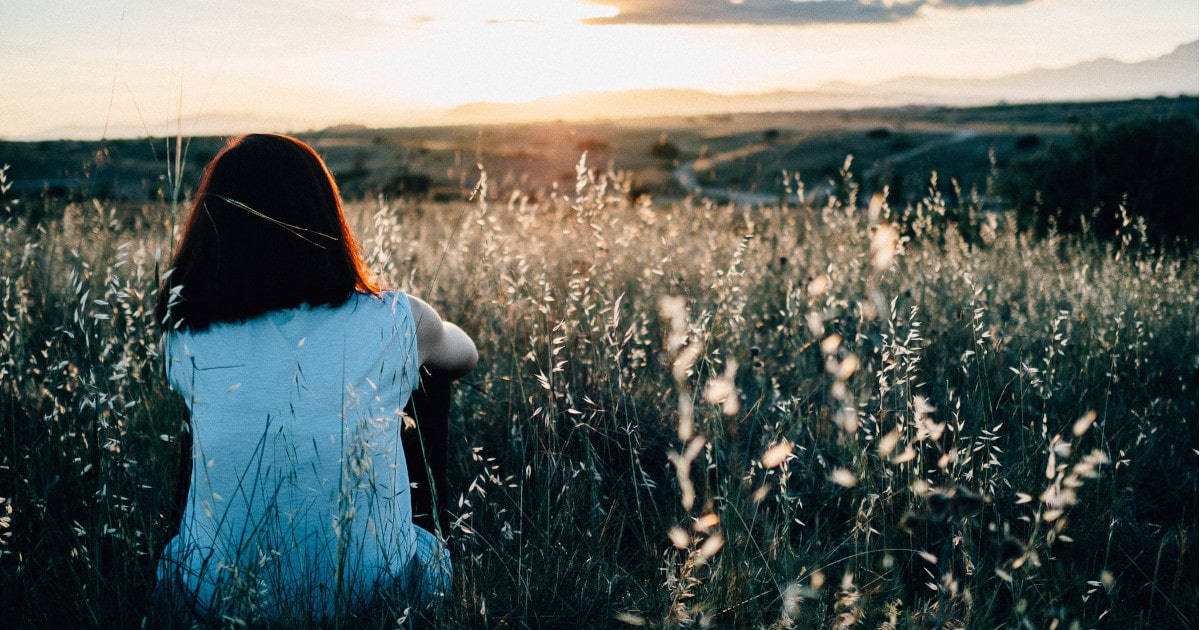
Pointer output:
x,y
308,497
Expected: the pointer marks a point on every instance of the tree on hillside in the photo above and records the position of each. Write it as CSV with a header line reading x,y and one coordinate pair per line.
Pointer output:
x,y
1147,164
406,183
664,150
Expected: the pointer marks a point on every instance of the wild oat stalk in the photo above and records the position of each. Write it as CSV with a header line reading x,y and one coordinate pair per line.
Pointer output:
x,y
861,417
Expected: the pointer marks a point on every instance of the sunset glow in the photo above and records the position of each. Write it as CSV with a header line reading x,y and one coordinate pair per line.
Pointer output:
x,y
130,68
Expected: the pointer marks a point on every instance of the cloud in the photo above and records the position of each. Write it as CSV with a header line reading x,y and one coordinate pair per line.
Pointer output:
x,y
778,12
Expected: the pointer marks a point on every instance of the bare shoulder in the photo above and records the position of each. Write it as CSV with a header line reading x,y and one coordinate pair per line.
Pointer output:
x,y
442,346
422,312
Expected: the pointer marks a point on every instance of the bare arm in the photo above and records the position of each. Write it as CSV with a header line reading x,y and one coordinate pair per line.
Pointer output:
x,y
442,347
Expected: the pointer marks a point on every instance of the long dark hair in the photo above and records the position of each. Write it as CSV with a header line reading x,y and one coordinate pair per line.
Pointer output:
x,y
265,232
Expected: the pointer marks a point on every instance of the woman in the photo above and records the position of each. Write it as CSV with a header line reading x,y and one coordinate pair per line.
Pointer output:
x,y
295,368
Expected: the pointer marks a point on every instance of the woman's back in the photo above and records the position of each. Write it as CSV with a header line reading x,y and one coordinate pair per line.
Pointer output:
x,y
295,367
298,502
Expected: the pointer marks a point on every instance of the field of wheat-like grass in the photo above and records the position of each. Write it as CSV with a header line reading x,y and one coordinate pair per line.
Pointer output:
x,y
685,415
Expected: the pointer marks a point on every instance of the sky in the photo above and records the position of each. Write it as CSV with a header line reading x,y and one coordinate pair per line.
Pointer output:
x,y
105,68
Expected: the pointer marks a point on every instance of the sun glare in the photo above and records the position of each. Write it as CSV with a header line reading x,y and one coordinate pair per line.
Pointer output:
x,y
544,11
511,53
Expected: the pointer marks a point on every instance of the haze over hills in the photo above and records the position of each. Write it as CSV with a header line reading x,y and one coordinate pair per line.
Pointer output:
x,y
1175,73
1172,74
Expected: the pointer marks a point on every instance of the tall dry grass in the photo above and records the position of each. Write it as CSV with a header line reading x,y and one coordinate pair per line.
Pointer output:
x,y
685,415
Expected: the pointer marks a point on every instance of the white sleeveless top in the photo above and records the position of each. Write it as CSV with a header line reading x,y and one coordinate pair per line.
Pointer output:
x,y
299,490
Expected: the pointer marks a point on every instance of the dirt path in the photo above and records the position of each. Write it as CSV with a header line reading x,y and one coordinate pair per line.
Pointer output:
x,y
960,135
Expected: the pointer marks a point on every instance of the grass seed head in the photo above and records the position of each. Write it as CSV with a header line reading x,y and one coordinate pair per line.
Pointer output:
x,y
777,454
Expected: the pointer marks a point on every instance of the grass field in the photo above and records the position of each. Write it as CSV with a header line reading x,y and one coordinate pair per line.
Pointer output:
x,y
685,415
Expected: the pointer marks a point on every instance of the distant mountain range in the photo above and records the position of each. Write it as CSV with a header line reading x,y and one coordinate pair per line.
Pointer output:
x,y
1175,73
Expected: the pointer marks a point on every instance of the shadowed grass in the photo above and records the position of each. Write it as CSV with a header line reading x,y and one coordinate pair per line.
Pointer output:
x,y
927,426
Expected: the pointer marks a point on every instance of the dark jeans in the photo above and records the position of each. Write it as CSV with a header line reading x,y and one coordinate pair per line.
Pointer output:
x,y
425,449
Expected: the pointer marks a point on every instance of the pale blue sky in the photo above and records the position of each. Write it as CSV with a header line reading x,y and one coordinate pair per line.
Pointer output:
x,y
296,63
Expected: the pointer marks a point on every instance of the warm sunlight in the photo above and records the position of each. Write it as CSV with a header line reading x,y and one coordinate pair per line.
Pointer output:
x,y
599,314
128,70
512,53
